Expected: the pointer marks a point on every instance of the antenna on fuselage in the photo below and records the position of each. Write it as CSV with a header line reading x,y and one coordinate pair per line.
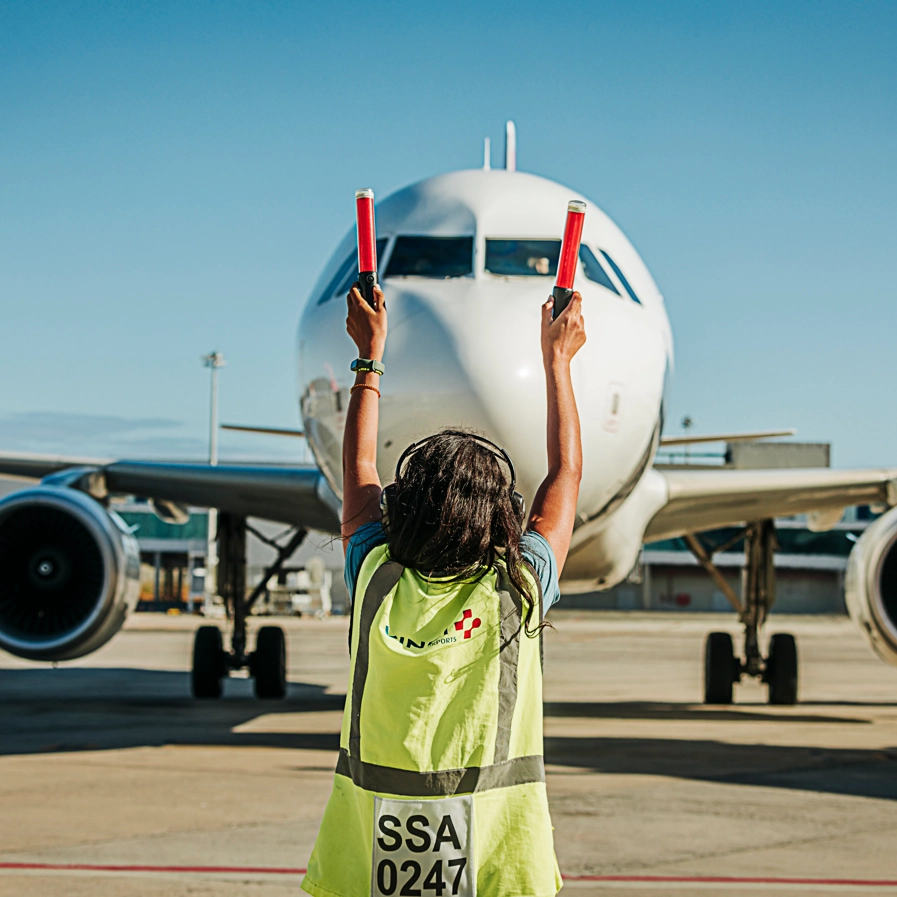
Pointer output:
x,y
510,146
487,154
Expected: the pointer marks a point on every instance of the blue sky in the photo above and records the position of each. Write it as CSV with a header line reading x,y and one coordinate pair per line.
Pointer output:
x,y
173,176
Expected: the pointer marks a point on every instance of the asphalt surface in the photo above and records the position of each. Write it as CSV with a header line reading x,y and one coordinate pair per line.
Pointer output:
x,y
113,781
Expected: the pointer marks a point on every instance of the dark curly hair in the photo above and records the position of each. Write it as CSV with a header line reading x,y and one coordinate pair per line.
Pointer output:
x,y
453,515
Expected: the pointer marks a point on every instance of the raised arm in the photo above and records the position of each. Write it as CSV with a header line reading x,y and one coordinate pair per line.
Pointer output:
x,y
361,482
554,508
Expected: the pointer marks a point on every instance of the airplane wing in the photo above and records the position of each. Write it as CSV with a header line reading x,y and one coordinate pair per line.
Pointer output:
x,y
296,495
668,441
706,499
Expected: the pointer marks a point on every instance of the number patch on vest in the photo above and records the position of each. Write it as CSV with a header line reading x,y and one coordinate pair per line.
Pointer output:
x,y
423,848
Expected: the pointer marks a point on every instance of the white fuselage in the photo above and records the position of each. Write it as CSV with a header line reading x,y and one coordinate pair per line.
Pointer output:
x,y
464,350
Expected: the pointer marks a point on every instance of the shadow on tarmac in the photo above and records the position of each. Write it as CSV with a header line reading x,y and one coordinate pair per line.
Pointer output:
x,y
861,773
84,709
104,684
692,712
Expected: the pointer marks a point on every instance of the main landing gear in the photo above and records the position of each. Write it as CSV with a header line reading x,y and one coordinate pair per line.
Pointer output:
x,y
722,668
267,664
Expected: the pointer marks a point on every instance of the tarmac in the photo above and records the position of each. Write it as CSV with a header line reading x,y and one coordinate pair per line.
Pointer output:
x,y
113,781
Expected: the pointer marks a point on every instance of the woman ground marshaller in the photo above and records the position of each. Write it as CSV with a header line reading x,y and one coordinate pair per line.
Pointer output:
x,y
440,780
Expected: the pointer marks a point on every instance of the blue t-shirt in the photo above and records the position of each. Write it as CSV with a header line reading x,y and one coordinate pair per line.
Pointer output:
x,y
535,550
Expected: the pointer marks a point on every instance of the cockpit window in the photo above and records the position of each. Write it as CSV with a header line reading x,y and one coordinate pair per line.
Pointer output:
x,y
593,270
431,257
621,276
529,258
342,281
346,267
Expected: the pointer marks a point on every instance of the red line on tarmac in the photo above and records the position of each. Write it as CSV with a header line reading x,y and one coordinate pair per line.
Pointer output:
x,y
735,880
643,879
96,867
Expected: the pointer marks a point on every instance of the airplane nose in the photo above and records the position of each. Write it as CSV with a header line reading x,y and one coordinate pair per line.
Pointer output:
x,y
428,385
466,357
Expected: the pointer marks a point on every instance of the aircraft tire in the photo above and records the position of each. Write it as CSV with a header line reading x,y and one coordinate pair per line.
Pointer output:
x,y
269,663
781,669
208,662
719,668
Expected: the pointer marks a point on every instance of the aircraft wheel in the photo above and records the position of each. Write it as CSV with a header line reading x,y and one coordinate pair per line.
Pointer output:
x,y
781,669
719,668
269,663
208,662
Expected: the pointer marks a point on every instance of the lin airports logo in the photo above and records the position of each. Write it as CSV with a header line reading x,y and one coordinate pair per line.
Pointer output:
x,y
464,628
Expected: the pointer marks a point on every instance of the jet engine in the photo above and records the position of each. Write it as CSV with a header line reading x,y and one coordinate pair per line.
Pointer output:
x,y
69,573
871,585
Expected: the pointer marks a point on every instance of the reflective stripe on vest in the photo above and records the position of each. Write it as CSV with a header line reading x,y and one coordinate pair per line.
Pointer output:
x,y
445,782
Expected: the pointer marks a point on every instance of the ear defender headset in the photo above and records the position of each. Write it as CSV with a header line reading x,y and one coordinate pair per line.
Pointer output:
x,y
389,494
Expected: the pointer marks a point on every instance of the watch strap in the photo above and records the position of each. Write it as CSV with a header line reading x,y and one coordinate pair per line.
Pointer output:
x,y
368,366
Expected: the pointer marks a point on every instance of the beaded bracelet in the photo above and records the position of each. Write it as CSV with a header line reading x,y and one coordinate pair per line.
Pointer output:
x,y
365,386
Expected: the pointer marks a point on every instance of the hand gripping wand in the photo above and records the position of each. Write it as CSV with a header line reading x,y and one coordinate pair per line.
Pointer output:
x,y
367,244
563,285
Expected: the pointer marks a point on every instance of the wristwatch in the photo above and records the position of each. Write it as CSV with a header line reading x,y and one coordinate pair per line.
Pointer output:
x,y
368,366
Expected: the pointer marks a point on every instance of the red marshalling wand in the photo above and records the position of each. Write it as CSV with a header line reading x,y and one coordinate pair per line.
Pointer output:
x,y
367,244
563,285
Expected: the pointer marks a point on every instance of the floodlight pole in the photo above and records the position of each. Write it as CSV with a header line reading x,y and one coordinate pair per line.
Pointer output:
x,y
213,361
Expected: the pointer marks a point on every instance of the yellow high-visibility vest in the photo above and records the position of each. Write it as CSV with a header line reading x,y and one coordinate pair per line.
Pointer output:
x,y
440,783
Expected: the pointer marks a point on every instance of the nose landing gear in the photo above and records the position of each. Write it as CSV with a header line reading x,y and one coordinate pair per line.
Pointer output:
x,y
267,665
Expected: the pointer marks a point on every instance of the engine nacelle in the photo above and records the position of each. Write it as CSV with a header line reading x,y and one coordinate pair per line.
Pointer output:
x,y
69,573
871,585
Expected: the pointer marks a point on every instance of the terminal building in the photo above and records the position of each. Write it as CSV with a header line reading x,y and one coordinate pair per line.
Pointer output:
x,y
172,556
809,571
173,559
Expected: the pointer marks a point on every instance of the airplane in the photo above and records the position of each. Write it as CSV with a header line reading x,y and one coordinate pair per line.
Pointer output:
x,y
466,261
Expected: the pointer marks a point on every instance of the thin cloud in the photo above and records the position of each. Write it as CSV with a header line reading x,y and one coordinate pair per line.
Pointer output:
x,y
149,438
50,424
103,435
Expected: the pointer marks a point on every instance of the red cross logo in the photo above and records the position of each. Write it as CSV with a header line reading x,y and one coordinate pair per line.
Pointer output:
x,y
462,624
